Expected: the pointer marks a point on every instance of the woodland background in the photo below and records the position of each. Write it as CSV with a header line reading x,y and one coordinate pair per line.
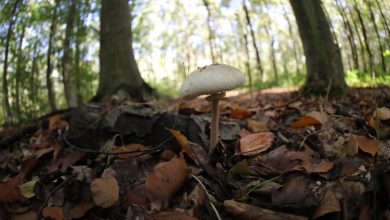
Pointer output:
x,y
49,47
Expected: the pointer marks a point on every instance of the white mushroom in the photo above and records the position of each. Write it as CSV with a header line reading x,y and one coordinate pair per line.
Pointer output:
x,y
213,80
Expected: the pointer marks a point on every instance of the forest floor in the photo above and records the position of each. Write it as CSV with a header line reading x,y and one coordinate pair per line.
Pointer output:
x,y
281,155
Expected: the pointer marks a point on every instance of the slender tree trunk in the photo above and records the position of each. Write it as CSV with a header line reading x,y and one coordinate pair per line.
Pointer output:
x,y
211,32
33,88
119,74
350,35
323,58
381,49
49,65
272,44
384,22
19,68
259,65
243,30
7,107
66,61
365,37
294,44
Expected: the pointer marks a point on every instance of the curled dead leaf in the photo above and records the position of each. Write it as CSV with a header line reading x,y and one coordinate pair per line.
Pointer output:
x,y
55,213
9,191
328,204
363,143
78,210
256,126
105,191
165,180
240,113
183,142
254,144
311,118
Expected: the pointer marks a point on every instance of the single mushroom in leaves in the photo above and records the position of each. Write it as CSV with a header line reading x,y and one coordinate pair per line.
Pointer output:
x,y
213,80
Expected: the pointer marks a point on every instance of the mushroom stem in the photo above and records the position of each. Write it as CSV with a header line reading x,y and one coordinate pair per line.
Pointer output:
x,y
214,125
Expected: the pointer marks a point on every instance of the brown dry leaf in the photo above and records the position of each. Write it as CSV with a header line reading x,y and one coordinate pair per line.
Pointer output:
x,y
169,215
182,140
243,133
165,180
240,113
328,204
294,191
244,211
257,143
56,122
78,210
364,143
129,147
134,198
283,160
10,192
55,213
65,162
25,216
382,113
105,191
323,167
256,126
311,118
40,152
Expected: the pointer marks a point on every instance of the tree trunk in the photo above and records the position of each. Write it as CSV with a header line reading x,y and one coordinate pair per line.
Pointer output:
x,y
294,44
350,35
381,49
49,83
18,73
7,107
211,32
272,44
70,92
323,59
259,65
365,37
119,74
384,22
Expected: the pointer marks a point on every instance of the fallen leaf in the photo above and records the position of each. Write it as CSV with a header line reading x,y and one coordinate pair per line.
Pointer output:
x,y
129,147
244,211
105,191
169,215
56,122
311,118
257,143
382,113
328,204
294,191
165,180
364,143
133,198
183,142
25,216
323,167
63,163
9,191
78,210
55,213
256,126
240,113
283,160
27,188
40,152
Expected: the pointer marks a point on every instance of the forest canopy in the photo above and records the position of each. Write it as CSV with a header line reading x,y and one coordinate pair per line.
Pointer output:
x,y
50,48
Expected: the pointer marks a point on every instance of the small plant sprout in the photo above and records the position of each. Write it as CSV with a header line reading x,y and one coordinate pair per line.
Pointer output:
x,y
213,80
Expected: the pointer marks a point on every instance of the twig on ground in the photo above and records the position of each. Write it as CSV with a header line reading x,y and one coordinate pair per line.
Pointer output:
x,y
208,197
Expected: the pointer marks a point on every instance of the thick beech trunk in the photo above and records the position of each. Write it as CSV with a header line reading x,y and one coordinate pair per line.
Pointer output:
x,y
323,58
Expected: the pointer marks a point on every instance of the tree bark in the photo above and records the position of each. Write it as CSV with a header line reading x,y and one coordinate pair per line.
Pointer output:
x,y
7,107
381,49
259,64
19,67
323,59
70,92
294,44
49,65
384,22
119,74
350,35
365,37
211,32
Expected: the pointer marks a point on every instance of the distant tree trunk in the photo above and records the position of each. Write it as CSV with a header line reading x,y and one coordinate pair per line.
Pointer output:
x,y
119,74
323,58
32,80
384,22
381,49
70,92
7,107
294,44
350,35
259,65
365,37
211,32
49,83
19,67
243,32
272,44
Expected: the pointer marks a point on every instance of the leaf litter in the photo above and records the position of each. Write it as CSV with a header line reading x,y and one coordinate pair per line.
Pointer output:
x,y
279,157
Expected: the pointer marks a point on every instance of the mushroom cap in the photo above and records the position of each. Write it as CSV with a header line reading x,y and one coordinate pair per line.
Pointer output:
x,y
211,79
